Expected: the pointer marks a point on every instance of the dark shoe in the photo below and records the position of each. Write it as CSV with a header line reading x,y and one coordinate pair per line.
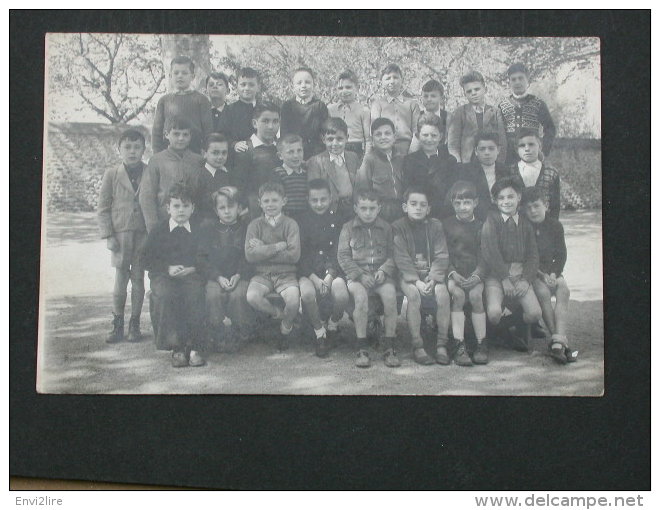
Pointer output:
x,y
322,346
480,354
196,359
441,355
461,357
571,355
117,333
179,360
557,352
134,333
391,359
538,331
515,341
363,360
420,356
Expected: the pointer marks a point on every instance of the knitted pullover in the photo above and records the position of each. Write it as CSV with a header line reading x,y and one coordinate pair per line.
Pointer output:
x,y
192,106
266,258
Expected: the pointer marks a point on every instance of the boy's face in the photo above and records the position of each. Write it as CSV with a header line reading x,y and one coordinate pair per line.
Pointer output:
x,y
303,85
335,142
271,203
179,139
367,210
486,152
216,89
518,83
507,201
319,200
181,76
475,91
536,211
347,91
217,153
291,154
131,152
429,138
392,83
432,100
179,210
383,138
226,213
267,126
417,207
464,207
247,88
528,149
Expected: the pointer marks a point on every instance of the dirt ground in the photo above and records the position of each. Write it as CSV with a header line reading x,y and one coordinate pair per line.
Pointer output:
x,y
76,309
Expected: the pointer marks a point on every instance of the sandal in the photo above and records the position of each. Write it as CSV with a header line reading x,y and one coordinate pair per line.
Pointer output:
x,y
558,352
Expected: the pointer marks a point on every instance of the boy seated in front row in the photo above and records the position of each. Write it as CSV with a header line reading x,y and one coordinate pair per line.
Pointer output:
x,y
292,175
322,288
337,166
550,281
177,288
221,262
466,271
272,244
508,247
365,254
420,255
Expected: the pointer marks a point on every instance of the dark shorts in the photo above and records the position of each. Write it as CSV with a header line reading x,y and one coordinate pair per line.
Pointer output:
x,y
277,282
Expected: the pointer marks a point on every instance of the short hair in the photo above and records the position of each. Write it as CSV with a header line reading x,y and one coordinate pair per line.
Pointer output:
x,y
180,191
432,85
183,60
380,122
430,119
489,136
472,76
214,138
231,193
319,184
247,72
177,123
510,181
272,187
523,132
288,139
366,195
217,76
266,106
332,125
303,69
534,193
348,75
132,135
416,189
391,68
463,189
518,67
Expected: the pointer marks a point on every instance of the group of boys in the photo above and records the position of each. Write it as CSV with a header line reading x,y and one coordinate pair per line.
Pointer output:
x,y
329,206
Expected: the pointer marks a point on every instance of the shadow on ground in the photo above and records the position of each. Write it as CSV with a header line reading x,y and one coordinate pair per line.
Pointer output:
x,y
64,228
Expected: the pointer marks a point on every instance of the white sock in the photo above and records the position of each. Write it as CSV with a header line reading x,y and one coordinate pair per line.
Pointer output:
x,y
332,325
458,325
320,333
479,325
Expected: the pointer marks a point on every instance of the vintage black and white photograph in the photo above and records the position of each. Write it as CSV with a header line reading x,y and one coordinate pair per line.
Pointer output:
x,y
321,215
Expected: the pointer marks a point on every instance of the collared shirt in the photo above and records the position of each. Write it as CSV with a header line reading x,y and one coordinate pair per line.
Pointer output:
x,y
212,170
304,101
530,172
290,170
521,96
272,220
399,98
357,118
479,108
491,177
187,91
338,159
256,141
429,156
506,217
173,224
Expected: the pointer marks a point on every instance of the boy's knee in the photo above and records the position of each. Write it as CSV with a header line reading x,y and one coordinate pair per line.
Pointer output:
x,y
307,293
414,297
291,296
494,314
441,294
476,300
253,295
532,316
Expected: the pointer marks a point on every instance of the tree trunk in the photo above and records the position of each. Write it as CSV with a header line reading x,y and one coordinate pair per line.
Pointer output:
x,y
197,47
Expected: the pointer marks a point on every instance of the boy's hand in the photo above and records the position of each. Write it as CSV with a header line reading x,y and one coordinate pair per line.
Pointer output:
x,y
175,270
319,285
458,278
471,282
241,146
281,246
185,272
224,283
112,243
328,280
380,277
421,286
430,286
367,280
552,280
254,242
233,281
508,287
521,288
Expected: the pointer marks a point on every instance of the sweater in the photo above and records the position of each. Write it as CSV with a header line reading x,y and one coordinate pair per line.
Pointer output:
x,y
551,245
164,169
305,120
255,165
474,173
405,250
464,245
164,248
358,121
208,184
526,112
366,248
295,188
499,248
548,181
319,239
265,257
402,111
222,251
236,121
190,105
381,174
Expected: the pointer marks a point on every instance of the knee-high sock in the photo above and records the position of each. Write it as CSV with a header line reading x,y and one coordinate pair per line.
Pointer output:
x,y
479,325
458,325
